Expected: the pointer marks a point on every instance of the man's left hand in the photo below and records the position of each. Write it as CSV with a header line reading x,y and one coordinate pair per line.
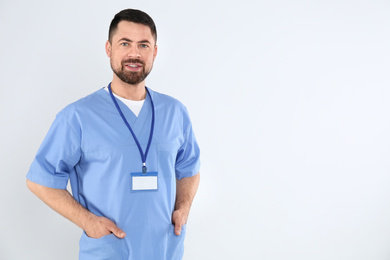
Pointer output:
x,y
179,218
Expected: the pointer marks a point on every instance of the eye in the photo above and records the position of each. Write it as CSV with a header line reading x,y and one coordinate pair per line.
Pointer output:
x,y
144,46
125,44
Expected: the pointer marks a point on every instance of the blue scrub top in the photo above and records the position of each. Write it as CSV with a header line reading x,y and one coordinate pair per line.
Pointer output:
x,y
89,144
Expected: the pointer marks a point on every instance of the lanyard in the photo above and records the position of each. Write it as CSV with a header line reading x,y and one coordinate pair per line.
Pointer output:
x,y
143,155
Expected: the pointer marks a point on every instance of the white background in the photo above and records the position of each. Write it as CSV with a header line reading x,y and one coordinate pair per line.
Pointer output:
x,y
289,100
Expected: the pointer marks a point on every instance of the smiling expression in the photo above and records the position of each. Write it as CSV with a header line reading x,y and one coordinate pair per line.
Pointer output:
x,y
132,51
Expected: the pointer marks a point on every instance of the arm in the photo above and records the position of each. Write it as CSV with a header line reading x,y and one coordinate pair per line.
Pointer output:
x,y
63,203
185,192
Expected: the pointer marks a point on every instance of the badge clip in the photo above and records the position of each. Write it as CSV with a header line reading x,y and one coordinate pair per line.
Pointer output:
x,y
144,169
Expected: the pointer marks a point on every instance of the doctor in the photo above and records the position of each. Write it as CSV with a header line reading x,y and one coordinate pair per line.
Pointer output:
x,y
130,154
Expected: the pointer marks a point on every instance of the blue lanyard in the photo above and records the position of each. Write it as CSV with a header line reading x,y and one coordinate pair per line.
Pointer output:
x,y
143,155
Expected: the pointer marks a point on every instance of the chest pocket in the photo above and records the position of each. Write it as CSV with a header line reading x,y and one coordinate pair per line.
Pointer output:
x,y
167,159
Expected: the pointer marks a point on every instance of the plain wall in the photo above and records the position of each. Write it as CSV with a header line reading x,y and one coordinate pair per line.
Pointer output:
x,y
289,100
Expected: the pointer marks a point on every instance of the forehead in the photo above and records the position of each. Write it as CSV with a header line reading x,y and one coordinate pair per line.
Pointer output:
x,y
133,31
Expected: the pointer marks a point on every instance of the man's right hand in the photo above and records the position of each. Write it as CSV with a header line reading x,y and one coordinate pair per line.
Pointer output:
x,y
63,202
98,227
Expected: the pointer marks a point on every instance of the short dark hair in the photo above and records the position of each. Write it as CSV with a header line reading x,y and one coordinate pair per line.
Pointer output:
x,y
135,16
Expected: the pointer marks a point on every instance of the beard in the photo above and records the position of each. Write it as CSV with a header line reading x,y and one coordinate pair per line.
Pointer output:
x,y
130,77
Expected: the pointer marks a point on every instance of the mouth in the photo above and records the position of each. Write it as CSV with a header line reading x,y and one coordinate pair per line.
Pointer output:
x,y
133,66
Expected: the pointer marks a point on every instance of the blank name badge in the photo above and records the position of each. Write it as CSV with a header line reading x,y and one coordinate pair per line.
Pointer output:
x,y
144,181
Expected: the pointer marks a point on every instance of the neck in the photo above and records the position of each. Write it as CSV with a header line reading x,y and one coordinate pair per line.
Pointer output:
x,y
132,92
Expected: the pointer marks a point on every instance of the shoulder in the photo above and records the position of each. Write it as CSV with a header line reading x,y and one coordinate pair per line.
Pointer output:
x,y
171,109
82,106
164,101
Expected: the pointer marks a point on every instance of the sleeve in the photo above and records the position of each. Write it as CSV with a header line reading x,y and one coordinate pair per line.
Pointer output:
x,y
58,154
188,157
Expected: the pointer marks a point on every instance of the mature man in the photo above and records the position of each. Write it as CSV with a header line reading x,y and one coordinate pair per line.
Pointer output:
x,y
130,154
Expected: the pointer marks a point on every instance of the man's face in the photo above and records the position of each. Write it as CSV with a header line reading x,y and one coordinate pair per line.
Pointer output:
x,y
132,51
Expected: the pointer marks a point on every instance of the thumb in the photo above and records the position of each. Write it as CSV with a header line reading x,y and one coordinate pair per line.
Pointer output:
x,y
177,229
117,231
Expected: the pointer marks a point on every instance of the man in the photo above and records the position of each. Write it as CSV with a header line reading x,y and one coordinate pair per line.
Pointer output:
x,y
130,154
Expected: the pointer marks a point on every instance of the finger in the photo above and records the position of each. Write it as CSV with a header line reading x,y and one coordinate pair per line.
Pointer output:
x,y
117,231
177,229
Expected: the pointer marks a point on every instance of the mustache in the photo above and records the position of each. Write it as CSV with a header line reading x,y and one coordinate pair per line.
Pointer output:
x,y
133,61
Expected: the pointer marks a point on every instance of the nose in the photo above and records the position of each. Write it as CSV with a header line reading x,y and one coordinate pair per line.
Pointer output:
x,y
133,52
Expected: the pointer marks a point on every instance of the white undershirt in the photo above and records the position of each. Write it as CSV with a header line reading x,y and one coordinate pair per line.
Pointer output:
x,y
134,105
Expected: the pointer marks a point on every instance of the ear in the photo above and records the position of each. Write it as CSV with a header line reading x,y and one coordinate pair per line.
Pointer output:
x,y
108,49
155,52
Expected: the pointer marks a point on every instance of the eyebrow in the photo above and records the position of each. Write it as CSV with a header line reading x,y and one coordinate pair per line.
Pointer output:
x,y
128,40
